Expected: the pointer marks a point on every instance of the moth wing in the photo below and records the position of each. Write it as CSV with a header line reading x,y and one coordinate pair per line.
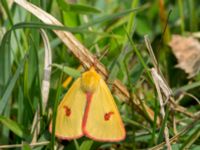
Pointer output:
x,y
102,121
70,113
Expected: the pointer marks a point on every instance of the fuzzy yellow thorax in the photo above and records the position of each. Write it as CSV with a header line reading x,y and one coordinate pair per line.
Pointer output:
x,y
90,80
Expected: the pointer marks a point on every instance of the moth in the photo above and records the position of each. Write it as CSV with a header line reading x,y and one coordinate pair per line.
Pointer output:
x,y
88,109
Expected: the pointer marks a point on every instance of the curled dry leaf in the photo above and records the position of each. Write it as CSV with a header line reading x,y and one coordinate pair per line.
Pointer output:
x,y
187,51
46,69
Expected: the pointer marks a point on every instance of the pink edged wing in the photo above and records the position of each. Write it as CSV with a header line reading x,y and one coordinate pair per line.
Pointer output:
x,y
70,113
102,121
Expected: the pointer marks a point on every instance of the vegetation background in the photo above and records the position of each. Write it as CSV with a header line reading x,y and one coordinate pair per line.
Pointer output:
x,y
113,31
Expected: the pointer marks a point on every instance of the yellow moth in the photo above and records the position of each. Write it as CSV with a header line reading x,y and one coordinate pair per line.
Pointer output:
x,y
88,109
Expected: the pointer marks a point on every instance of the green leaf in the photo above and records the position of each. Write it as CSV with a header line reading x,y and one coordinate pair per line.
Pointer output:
x,y
8,12
76,144
10,86
143,27
12,125
195,147
26,147
70,71
140,57
192,138
86,145
81,28
187,87
77,8
55,112
111,17
137,71
5,61
176,146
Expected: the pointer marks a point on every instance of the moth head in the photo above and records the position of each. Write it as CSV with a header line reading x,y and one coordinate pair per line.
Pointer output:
x,y
90,80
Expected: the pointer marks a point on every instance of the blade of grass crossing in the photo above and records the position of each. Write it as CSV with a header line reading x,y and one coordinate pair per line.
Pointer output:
x,y
140,58
132,17
191,139
32,69
154,122
181,12
20,103
29,82
10,86
76,144
55,111
193,16
86,145
111,17
5,62
77,8
5,130
131,99
126,49
68,70
10,18
12,125
84,26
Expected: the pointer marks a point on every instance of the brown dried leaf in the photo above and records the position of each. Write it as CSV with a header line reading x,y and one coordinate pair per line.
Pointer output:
x,y
187,51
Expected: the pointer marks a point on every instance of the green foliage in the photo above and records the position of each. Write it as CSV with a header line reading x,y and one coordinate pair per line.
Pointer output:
x,y
77,8
12,125
70,71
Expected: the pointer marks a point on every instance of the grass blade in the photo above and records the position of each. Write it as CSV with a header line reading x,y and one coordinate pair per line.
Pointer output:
x,y
10,86
68,70
5,61
12,125
191,139
77,8
55,112
86,145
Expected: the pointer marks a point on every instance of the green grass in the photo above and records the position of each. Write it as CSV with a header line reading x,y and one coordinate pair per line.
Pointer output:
x,y
113,31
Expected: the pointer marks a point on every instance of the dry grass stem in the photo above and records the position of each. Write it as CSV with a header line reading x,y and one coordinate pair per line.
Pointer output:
x,y
161,87
174,138
21,145
162,109
47,69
